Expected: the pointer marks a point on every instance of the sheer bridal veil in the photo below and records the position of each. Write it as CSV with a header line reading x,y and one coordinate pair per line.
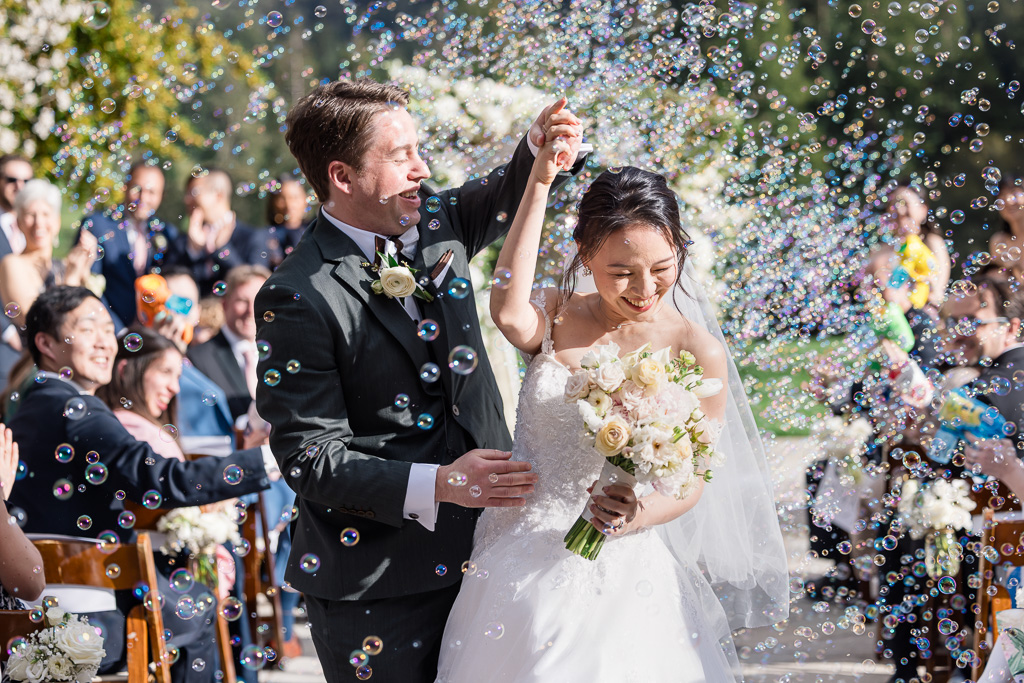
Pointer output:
x,y
733,532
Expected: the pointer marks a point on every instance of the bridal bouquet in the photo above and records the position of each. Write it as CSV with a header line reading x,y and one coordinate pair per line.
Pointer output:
x,y
199,531
642,414
68,650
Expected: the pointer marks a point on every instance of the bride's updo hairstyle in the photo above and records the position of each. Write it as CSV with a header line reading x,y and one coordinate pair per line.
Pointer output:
x,y
619,199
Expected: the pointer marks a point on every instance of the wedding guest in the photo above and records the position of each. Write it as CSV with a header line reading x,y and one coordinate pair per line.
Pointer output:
x,y
70,336
230,357
922,249
15,171
133,239
287,206
216,242
202,406
20,562
1007,244
23,276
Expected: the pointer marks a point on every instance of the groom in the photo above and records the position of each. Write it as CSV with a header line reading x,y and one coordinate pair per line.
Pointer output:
x,y
386,419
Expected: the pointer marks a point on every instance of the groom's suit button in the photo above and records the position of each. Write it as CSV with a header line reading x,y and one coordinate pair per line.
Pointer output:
x,y
455,410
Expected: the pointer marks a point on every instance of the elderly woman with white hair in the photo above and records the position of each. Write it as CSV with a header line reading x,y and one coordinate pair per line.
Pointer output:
x,y
24,276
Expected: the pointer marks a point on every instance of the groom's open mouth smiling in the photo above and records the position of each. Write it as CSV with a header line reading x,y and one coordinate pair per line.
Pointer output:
x,y
641,304
411,196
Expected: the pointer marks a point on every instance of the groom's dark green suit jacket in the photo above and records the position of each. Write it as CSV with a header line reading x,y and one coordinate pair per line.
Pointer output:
x,y
341,441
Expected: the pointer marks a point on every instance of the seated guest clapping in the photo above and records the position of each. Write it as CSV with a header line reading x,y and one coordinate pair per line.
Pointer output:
x,y
82,463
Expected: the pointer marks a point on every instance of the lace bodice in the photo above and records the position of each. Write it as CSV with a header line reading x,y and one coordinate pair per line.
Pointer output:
x,y
548,436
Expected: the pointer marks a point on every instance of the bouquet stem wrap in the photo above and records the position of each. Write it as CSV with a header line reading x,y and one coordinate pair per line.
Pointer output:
x,y
583,539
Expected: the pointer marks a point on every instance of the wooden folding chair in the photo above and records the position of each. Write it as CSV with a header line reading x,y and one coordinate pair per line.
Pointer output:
x,y
1007,538
260,562
116,567
14,623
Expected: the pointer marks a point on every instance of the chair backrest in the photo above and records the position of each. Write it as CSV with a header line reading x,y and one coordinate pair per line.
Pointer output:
x,y
1006,539
14,623
118,566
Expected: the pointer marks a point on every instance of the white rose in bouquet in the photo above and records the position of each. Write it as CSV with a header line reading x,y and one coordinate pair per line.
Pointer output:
x,y
577,386
650,374
600,355
608,376
612,437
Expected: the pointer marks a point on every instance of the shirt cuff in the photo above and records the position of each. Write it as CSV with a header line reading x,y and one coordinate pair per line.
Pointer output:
x,y
419,496
585,148
270,462
9,333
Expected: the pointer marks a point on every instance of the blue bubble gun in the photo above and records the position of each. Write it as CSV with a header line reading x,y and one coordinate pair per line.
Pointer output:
x,y
959,415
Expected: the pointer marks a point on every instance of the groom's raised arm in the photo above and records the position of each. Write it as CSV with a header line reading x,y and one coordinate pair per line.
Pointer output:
x,y
310,433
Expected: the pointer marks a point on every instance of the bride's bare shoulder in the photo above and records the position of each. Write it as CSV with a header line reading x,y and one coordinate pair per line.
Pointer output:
x,y
709,352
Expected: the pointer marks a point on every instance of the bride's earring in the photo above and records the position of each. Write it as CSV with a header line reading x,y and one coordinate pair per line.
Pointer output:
x,y
587,272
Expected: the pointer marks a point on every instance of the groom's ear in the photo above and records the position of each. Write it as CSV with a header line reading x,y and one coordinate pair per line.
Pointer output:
x,y
340,175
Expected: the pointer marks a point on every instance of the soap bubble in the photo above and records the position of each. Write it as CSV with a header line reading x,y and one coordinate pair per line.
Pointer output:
x,y
459,288
132,342
457,479
309,563
181,580
425,421
272,377
372,645
430,372
252,657
462,360
427,330
64,453
349,537
274,19
230,608
402,401
233,474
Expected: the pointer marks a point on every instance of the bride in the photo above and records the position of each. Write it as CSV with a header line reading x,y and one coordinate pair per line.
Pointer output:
x,y
675,576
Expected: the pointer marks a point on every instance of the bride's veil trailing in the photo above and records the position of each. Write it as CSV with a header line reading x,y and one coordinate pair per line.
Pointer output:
x,y
733,533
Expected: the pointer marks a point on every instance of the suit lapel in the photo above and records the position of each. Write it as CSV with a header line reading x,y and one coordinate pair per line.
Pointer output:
x,y
229,365
356,279
446,310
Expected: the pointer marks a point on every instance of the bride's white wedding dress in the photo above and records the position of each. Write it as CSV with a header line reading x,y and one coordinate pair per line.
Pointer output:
x,y
530,610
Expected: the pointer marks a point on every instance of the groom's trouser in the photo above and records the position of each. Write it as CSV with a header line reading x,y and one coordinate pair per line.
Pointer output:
x,y
410,628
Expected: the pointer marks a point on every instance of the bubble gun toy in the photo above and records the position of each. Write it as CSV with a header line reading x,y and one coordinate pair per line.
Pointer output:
x,y
153,297
961,415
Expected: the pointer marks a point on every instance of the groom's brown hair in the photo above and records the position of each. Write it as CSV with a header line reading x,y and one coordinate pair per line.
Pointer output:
x,y
332,123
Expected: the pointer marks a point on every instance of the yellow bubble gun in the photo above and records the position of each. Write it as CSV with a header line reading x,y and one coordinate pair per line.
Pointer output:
x,y
919,262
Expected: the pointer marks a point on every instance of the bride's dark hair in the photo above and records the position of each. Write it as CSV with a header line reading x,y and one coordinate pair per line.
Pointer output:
x,y
619,199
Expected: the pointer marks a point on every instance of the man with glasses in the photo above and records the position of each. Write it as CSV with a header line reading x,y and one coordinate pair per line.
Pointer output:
x,y
15,171
983,330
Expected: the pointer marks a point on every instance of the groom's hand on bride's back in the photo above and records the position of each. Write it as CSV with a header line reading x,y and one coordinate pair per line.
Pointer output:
x,y
502,481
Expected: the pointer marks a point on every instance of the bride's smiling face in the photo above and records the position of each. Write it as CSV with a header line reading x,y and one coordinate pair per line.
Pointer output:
x,y
634,270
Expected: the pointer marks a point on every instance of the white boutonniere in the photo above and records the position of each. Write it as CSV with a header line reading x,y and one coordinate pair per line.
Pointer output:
x,y
397,280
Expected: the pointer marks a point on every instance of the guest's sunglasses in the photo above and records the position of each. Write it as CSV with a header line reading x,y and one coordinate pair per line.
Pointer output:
x,y
10,180
968,325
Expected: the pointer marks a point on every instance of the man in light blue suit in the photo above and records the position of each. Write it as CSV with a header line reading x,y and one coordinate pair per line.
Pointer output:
x,y
134,241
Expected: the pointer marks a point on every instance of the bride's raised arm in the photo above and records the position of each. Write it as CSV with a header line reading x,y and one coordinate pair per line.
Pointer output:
x,y
520,322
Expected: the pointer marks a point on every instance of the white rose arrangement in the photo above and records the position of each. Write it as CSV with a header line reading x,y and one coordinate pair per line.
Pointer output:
x,y
199,532
68,650
642,413
936,506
